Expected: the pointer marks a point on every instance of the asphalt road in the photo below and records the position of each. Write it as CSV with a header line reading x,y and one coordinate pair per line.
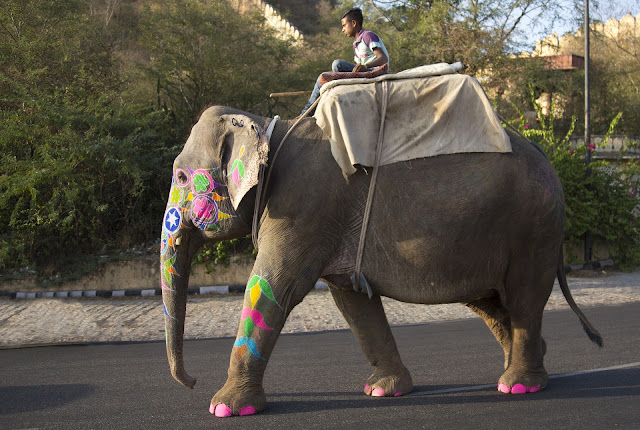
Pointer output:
x,y
315,381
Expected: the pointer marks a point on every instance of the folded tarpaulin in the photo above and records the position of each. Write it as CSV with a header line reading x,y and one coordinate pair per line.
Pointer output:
x,y
426,116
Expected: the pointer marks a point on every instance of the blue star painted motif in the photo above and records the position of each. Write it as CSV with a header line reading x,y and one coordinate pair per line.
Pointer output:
x,y
172,219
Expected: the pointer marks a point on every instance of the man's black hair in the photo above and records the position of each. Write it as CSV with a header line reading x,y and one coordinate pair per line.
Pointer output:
x,y
354,14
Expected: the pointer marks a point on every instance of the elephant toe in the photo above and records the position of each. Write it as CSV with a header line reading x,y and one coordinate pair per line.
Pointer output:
x,y
378,392
248,410
220,410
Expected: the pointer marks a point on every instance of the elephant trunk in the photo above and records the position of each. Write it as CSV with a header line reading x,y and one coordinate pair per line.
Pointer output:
x,y
175,281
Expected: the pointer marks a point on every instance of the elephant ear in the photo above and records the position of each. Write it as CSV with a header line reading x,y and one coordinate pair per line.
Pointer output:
x,y
249,148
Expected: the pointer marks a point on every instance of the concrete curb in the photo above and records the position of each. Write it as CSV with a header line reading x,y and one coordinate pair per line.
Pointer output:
x,y
212,289
594,265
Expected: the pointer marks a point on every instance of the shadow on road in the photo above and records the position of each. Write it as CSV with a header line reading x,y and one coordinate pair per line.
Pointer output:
x,y
609,384
30,398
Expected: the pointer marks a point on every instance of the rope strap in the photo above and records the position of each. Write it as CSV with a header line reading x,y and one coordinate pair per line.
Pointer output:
x,y
358,280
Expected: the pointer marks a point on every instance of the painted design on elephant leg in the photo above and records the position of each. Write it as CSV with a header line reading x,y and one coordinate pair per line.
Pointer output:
x,y
251,317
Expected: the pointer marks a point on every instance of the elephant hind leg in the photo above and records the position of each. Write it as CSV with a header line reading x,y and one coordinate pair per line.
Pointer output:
x,y
526,372
369,324
526,293
519,378
497,318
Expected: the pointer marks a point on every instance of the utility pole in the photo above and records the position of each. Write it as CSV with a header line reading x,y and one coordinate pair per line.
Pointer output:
x,y
588,240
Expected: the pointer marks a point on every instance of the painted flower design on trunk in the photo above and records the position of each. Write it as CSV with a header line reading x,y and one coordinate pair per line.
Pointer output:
x,y
251,317
192,196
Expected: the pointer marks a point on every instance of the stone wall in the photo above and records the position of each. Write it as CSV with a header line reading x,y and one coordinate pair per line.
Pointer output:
x,y
284,27
141,274
627,26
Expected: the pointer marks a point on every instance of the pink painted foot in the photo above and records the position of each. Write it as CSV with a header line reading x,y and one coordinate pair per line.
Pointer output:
x,y
517,389
503,388
247,410
378,392
220,410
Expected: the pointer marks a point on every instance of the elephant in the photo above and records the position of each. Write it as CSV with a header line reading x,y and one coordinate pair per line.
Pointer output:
x,y
481,229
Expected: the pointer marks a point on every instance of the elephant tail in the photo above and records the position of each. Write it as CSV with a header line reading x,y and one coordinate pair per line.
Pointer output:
x,y
593,334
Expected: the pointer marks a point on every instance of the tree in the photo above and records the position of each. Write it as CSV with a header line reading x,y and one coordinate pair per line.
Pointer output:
x,y
477,32
79,165
206,52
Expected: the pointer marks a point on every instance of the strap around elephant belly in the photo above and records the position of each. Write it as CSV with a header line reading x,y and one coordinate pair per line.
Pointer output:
x,y
359,281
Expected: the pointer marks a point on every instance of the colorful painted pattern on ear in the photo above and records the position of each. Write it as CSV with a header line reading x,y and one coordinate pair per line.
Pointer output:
x,y
237,168
251,317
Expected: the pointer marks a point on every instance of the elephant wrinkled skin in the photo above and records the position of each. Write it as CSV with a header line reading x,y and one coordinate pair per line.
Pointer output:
x,y
483,229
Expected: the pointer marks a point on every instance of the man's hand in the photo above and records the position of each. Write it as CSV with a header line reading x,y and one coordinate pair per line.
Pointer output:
x,y
360,68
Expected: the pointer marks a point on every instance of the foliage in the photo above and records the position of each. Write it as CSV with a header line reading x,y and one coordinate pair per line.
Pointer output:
x,y
203,53
98,96
220,252
603,202
478,33
614,81
80,165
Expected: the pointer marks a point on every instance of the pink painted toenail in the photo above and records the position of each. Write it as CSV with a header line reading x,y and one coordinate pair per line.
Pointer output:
x,y
221,410
378,392
212,408
247,410
534,389
503,388
518,389
367,389
398,393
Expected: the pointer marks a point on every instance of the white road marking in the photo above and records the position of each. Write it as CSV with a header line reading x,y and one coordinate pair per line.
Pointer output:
x,y
487,386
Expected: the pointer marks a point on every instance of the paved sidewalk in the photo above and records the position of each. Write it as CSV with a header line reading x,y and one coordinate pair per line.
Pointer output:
x,y
25,322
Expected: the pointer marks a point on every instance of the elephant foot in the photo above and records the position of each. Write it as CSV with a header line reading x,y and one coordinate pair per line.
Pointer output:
x,y
517,389
227,403
521,383
389,385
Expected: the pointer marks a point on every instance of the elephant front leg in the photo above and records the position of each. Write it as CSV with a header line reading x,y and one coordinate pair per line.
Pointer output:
x,y
369,323
261,321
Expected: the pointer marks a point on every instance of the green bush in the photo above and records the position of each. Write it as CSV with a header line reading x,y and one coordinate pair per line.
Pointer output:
x,y
219,253
603,202
80,166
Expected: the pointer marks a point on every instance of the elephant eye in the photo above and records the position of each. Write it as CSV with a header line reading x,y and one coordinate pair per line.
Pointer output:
x,y
182,178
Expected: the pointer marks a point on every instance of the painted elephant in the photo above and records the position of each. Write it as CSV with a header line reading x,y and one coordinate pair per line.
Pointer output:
x,y
482,229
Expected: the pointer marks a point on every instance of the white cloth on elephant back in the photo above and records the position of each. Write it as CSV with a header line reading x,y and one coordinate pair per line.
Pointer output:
x,y
426,116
